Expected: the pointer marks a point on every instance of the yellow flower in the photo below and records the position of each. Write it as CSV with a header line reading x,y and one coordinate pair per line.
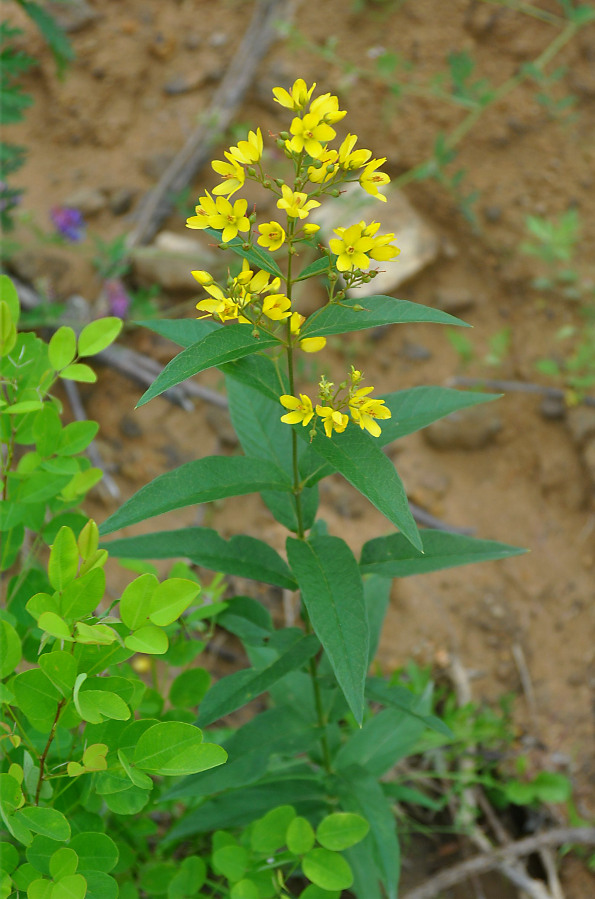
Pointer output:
x,y
300,409
297,97
309,134
326,107
382,249
296,204
312,344
272,236
229,219
349,159
351,247
370,179
203,278
366,413
309,230
324,172
333,419
206,208
225,309
248,151
296,322
233,176
276,306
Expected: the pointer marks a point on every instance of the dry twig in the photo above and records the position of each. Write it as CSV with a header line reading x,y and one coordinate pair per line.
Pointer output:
x,y
515,387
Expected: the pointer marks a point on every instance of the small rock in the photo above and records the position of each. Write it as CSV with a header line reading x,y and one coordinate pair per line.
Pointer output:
x,y
170,270
466,429
89,200
454,300
155,165
172,242
492,214
218,39
581,424
418,243
129,427
121,200
414,352
220,422
72,16
553,408
182,84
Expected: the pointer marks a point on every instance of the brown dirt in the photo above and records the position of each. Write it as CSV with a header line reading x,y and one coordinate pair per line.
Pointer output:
x,y
101,125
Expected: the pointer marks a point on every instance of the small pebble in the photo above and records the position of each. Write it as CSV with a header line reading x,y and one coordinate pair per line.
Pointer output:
x,y
553,408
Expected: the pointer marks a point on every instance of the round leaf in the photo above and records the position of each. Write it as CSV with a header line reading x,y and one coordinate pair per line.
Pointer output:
x,y
174,748
54,625
327,869
191,875
62,348
170,599
341,830
48,822
244,889
10,649
300,836
134,602
98,335
151,640
9,295
78,371
63,862
189,687
64,559
40,889
231,861
314,892
74,886
268,833
100,885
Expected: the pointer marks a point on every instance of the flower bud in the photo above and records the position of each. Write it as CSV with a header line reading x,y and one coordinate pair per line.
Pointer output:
x,y
280,143
251,171
266,183
279,182
285,135
335,193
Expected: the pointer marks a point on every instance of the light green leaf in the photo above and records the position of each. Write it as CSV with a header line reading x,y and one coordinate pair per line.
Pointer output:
x,y
332,591
95,706
48,822
300,836
76,437
201,481
74,886
10,649
175,748
360,460
223,345
64,558
378,310
393,556
269,832
8,333
99,634
150,639
258,257
98,335
418,407
134,602
245,889
78,371
235,690
63,862
341,830
241,555
190,877
40,889
327,869
231,861
80,598
170,599
54,625
9,295
47,429
37,698
60,668
96,851
137,777
189,687
314,892
101,886
62,348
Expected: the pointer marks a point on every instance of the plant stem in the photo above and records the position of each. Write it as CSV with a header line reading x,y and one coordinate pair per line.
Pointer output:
x,y
44,754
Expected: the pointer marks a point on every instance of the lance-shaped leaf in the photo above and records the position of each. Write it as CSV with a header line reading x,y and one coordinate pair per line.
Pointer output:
x,y
242,555
260,373
418,407
360,460
378,310
257,256
200,481
333,593
222,345
183,331
393,556
235,690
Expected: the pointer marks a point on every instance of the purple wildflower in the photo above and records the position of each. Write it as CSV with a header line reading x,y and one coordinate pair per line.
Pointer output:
x,y
118,297
68,222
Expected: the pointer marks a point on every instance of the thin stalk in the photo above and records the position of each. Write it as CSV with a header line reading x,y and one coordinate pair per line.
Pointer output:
x,y
44,754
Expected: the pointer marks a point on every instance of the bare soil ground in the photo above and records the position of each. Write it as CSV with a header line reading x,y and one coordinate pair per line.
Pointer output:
x,y
110,124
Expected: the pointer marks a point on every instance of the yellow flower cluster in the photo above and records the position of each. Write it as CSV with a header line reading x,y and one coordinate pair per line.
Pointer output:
x,y
356,245
364,410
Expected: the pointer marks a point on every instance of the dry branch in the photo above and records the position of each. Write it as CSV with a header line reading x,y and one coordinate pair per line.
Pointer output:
x,y
488,861
516,387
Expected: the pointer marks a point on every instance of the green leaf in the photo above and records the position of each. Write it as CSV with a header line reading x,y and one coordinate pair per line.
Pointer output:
x,y
188,880
9,295
379,690
95,706
235,690
170,599
327,869
54,36
383,740
223,345
231,861
393,556
268,833
54,625
48,822
47,429
189,687
377,600
175,748
418,407
80,598
242,556
201,481
96,851
361,461
74,886
101,886
300,836
64,559
10,649
135,600
76,437
80,372
314,892
37,698
98,335
245,889
150,640
62,348
258,372
256,256
183,331
40,889
63,863
60,668
315,268
332,591
341,830
378,310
